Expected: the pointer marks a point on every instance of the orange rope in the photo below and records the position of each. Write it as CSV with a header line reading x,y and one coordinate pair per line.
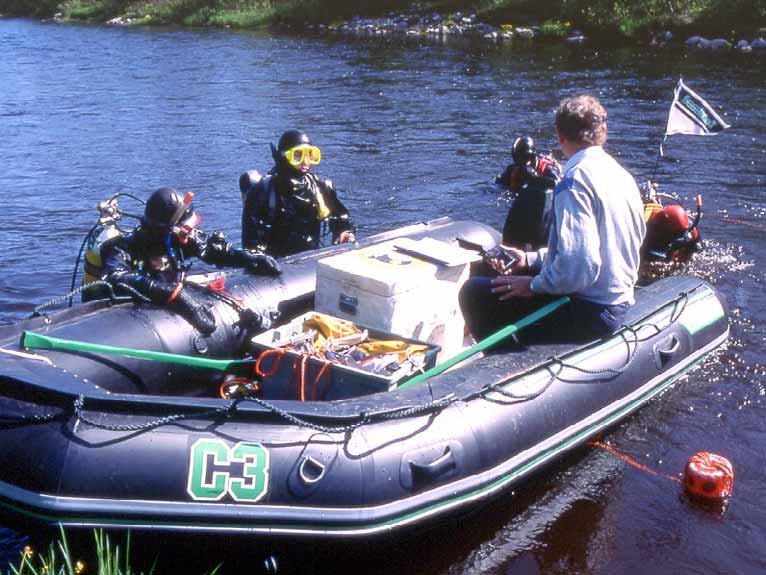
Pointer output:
x,y
298,372
176,291
278,352
224,387
219,285
632,462
318,378
730,220
304,361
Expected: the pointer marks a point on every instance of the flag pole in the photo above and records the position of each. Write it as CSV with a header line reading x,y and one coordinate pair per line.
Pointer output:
x,y
659,156
661,153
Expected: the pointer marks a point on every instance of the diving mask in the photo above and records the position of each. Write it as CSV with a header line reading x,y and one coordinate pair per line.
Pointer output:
x,y
299,154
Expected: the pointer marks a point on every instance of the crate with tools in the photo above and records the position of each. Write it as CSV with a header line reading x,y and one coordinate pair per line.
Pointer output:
x,y
318,357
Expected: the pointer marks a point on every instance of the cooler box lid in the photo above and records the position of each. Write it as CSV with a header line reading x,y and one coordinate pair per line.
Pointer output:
x,y
397,266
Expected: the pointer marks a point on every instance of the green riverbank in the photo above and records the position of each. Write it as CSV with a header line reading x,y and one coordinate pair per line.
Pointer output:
x,y
601,19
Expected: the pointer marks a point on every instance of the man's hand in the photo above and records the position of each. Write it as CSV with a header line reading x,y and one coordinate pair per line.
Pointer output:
x,y
347,236
499,256
508,287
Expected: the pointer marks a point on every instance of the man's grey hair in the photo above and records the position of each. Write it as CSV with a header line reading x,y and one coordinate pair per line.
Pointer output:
x,y
582,120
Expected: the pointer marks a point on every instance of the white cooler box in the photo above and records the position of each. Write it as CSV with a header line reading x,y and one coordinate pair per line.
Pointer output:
x,y
389,288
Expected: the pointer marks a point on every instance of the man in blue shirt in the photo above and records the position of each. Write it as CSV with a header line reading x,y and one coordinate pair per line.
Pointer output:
x,y
593,249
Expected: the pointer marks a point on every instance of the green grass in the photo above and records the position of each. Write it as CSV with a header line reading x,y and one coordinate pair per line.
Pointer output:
x,y
80,11
555,29
246,18
597,18
58,559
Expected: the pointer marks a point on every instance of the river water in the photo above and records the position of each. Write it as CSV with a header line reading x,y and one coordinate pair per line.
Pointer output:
x,y
410,132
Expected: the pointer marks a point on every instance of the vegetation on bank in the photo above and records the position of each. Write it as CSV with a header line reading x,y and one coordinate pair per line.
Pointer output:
x,y
598,18
58,559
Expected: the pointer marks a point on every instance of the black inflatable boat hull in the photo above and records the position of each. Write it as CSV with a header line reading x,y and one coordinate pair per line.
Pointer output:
x,y
90,441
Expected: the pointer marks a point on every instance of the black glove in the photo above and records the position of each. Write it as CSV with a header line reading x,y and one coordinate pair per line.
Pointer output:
x,y
195,312
260,264
185,303
173,295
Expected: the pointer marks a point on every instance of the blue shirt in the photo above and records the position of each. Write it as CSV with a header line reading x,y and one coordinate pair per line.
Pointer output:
x,y
595,240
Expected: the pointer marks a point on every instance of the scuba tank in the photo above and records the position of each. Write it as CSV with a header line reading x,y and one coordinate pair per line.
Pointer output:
x,y
107,229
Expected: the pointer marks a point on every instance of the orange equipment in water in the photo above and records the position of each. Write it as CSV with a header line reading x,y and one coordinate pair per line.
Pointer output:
x,y
671,234
709,476
669,222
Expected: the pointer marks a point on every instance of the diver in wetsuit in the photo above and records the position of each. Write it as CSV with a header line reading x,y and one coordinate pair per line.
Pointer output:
x,y
532,178
284,211
153,259
527,163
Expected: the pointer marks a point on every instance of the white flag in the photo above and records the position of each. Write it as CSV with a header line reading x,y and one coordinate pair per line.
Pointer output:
x,y
690,114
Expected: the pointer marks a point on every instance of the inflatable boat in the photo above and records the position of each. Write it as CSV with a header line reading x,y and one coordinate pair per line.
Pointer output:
x,y
111,414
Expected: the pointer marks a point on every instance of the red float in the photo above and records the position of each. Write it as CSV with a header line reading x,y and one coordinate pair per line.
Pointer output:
x,y
709,476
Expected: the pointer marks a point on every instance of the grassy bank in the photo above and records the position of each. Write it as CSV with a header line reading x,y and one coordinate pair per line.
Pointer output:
x,y
597,18
103,557
58,559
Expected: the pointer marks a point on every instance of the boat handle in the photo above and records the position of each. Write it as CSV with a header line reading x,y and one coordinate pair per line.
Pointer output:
x,y
310,470
666,353
348,304
428,472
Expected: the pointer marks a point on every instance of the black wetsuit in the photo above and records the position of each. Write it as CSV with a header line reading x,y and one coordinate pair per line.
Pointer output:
x,y
282,213
529,218
154,262
515,175
164,258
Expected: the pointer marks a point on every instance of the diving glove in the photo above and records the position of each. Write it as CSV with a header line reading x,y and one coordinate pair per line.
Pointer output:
x,y
173,295
221,253
260,264
195,312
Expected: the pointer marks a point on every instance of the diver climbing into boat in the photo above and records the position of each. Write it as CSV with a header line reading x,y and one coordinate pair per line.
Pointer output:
x,y
153,260
285,211
671,234
531,178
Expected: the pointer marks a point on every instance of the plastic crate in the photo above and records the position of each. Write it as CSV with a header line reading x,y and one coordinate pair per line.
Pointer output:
x,y
337,381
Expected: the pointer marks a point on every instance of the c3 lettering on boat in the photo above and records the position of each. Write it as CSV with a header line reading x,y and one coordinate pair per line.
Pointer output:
x,y
216,469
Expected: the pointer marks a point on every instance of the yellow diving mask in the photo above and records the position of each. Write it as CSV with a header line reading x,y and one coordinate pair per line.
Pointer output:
x,y
299,154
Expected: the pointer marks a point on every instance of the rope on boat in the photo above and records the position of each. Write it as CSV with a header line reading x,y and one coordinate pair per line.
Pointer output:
x,y
26,419
363,417
37,311
679,305
79,406
683,299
